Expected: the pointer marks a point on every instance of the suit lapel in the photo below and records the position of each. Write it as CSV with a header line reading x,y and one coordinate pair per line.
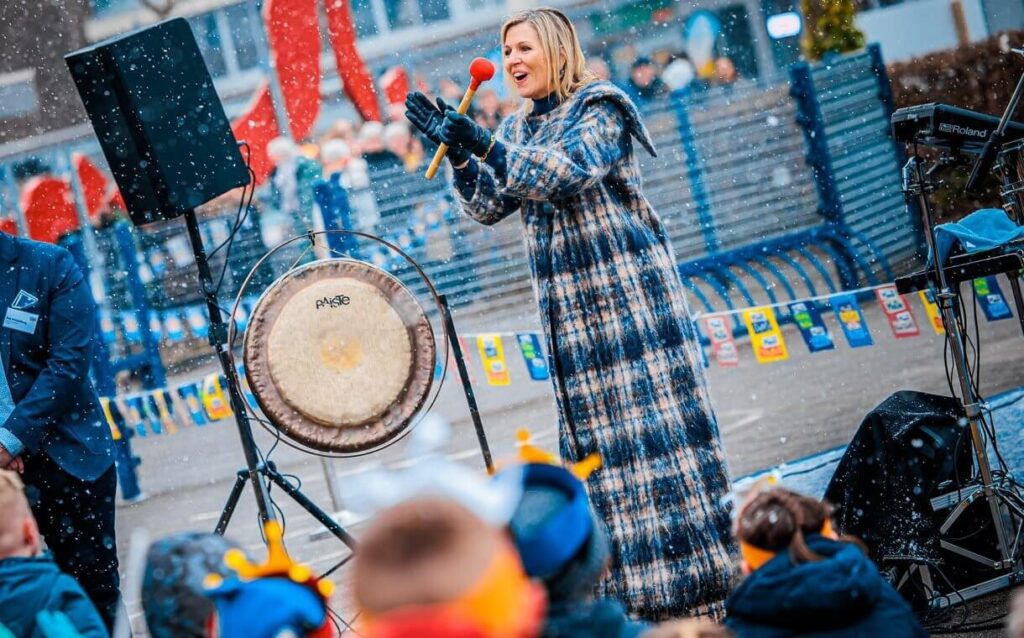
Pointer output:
x,y
10,275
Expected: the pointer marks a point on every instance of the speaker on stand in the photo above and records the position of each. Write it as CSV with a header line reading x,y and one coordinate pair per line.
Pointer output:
x,y
169,145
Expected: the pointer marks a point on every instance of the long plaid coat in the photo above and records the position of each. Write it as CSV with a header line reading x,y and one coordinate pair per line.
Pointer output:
x,y
628,377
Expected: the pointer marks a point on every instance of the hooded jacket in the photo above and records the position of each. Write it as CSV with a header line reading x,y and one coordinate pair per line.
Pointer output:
x,y
31,585
842,595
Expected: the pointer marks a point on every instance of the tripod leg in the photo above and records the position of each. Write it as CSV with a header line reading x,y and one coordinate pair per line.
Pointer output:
x,y
323,517
229,507
467,387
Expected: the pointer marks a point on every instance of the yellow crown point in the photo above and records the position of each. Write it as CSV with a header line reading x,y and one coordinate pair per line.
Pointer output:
x,y
325,587
300,573
586,467
529,453
236,560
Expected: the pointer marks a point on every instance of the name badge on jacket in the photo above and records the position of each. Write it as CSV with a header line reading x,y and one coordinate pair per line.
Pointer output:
x,y
21,321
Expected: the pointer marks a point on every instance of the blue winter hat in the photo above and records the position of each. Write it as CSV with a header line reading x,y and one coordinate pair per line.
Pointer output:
x,y
552,522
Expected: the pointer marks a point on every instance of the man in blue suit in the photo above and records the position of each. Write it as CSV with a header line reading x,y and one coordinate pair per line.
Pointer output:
x,y
52,428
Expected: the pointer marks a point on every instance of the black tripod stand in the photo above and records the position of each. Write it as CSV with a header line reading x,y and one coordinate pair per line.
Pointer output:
x,y
256,471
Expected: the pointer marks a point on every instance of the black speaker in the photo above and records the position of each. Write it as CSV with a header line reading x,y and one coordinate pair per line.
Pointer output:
x,y
159,121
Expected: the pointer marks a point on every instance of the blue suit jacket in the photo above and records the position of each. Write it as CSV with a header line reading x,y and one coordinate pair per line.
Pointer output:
x,y
56,409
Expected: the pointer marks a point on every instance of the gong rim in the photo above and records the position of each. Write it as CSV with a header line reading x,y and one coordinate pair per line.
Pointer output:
x,y
355,438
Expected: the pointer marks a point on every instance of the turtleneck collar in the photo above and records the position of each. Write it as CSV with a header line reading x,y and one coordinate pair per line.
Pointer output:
x,y
545,104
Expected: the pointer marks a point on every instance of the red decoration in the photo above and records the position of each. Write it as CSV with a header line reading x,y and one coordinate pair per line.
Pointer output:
x,y
49,208
9,226
294,35
356,80
94,184
257,126
395,84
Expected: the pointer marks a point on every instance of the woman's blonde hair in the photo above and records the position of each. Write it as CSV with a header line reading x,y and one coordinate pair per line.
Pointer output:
x,y
567,68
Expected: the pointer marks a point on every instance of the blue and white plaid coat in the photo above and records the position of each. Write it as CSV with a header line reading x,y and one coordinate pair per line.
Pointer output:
x,y
628,377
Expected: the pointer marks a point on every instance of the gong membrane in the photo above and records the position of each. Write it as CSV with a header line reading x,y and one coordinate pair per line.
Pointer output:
x,y
340,355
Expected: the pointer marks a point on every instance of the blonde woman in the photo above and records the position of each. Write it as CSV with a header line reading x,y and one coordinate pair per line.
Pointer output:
x,y
627,374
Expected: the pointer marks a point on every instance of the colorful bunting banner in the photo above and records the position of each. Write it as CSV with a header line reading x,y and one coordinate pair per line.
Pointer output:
x,y
722,343
492,356
165,410
190,394
765,336
215,401
108,412
134,414
151,414
933,311
533,355
808,319
851,319
991,299
897,311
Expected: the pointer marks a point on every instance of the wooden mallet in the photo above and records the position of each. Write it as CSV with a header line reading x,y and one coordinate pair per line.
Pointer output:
x,y
480,70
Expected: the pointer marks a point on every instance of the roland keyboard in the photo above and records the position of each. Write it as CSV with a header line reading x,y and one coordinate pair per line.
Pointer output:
x,y
949,127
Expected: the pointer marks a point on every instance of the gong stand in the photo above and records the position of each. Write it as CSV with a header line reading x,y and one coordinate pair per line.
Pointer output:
x,y
257,472
467,387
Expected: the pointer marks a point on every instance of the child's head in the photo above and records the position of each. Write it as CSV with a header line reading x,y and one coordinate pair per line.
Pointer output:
x,y
776,519
560,541
173,597
19,535
429,566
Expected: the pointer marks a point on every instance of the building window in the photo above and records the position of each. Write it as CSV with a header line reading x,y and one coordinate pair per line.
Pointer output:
x,y
18,96
243,36
362,18
208,37
434,10
401,13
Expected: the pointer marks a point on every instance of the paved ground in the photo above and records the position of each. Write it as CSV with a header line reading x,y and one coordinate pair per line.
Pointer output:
x,y
768,414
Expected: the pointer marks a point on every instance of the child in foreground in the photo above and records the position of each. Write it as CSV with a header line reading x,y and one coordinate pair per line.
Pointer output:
x,y
804,581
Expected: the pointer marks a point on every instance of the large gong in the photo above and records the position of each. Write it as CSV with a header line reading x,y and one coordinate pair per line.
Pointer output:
x,y
339,355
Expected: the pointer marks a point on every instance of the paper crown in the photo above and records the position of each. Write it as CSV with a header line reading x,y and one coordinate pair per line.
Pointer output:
x,y
529,453
278,564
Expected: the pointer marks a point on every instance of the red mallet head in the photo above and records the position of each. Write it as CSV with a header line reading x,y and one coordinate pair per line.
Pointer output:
x,y
481,70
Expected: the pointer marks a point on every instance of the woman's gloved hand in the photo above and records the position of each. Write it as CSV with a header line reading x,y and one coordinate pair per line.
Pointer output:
x,y
460,130
429,119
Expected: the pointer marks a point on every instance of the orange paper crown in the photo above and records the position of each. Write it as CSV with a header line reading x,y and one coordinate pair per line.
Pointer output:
x,y
278,564
529,453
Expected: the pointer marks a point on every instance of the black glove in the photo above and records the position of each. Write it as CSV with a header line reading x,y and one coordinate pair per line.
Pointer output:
x,y
462,131
428,119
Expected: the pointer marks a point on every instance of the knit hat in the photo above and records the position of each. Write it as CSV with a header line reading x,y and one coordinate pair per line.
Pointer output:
x,y
173,598
429,566
278,597
558,538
